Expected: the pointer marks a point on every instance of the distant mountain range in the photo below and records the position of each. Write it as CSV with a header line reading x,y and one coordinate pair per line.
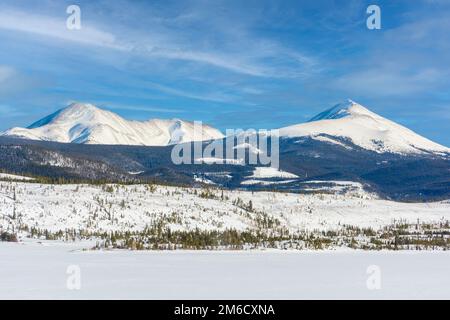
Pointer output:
x,y
87,124
345,143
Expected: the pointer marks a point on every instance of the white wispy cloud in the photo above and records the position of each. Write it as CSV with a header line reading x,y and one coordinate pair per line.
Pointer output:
x,y
409,59
142,108
383,81
12,81
6,73
14,20
210,96
251,54
7,111
226,62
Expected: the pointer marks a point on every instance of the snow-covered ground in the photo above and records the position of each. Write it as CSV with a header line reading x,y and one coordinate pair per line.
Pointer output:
x,y
261,173
7,176
269,172
42,271
133,207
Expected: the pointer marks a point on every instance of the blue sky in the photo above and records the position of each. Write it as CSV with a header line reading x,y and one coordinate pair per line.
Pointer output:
x,y
232,64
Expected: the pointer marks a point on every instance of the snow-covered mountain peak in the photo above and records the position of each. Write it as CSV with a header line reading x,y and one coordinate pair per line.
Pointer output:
x,y
364,128
349,108
75,112
86,123
80,110
80,107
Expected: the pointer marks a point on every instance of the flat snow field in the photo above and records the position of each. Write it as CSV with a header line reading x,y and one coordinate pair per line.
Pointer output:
x,y
32,270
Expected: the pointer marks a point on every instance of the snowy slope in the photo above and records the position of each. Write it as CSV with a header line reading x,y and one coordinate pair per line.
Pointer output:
x,y
87,124
268,172
276,176
6,176
133,207
365,129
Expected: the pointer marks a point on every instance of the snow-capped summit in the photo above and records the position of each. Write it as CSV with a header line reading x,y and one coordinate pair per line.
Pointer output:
x,y
88,124
363,128
345,109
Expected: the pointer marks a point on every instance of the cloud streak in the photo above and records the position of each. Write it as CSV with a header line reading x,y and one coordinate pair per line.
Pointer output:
x,y
215,97
20,21
6,73
158,46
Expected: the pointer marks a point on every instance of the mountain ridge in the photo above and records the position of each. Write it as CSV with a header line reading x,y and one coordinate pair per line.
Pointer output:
x,y
88,124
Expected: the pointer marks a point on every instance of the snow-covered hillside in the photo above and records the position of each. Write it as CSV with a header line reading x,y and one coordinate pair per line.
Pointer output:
x,y
104,208
85,123
350,120
67,222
